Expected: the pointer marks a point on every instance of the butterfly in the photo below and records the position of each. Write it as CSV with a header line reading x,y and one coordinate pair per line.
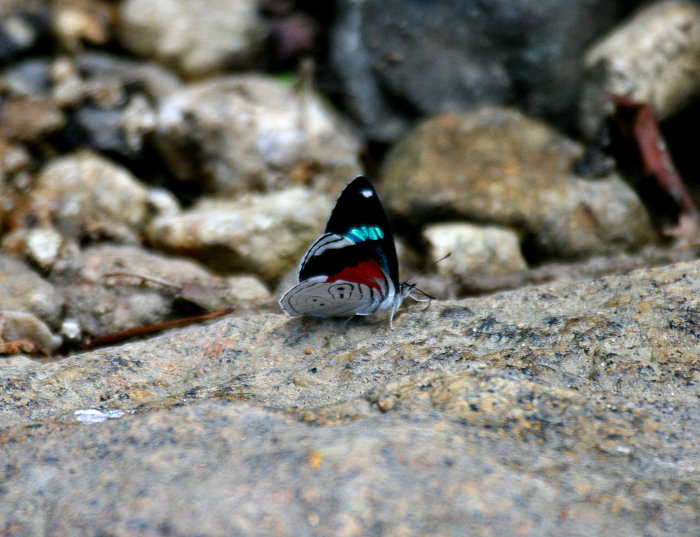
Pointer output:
x,y
352,269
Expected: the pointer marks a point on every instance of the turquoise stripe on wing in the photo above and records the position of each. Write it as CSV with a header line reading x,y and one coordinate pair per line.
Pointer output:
x,y
364,233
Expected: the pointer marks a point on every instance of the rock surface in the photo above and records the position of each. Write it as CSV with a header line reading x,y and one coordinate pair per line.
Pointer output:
x,y
496,166
568,409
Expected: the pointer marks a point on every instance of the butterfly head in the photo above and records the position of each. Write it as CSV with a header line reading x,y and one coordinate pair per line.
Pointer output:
x,y
405,289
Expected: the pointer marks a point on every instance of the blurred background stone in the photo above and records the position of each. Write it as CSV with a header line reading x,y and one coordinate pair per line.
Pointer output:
x,y
111,289
396,61
238,134
24,290
652,58
78,22
474,250
85,195
24,25
263,234
498,166
22,332
193,37
29,119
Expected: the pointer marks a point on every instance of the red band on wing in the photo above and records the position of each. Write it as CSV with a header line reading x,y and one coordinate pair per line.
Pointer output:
x,y
367,272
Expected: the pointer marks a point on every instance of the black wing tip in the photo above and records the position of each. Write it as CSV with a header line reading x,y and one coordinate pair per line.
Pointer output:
x,y
359,179
357,184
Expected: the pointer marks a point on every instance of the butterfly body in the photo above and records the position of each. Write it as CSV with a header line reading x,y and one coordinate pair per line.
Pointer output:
x,y
352,269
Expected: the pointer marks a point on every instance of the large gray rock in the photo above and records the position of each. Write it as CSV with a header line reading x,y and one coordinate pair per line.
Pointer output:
x,y
229,469
497,166
395,59
566,409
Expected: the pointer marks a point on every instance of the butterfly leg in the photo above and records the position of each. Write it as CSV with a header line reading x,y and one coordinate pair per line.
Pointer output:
x,y
428,298
345,322
391,316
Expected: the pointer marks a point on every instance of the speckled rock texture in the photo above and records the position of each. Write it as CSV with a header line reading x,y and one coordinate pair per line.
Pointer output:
x,y
568,409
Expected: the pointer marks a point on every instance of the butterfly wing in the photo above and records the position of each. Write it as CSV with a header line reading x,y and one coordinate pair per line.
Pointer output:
x,y
351,269
361,231
321,298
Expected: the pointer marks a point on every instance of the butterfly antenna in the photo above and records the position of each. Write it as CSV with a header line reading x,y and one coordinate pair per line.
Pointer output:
x,y
431,265
412,286
426,295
